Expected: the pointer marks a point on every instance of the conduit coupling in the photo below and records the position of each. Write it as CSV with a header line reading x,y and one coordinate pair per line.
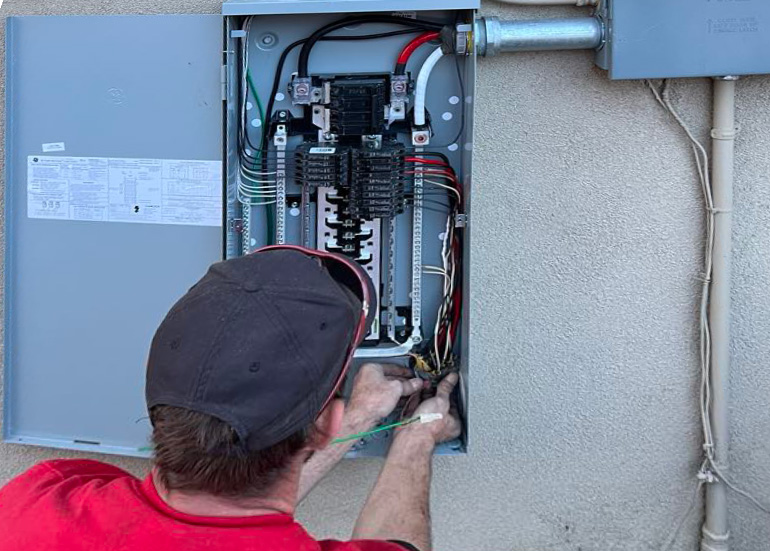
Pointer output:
x,y
494,36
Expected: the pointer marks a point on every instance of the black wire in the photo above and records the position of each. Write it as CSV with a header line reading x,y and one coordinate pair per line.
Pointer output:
x,y
304,55
432,154
462,101
279,72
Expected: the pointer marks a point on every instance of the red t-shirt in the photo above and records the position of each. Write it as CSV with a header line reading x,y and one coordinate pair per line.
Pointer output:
x,y
73,505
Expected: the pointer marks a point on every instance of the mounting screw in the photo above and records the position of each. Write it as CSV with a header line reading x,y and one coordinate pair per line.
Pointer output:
x,y
399,87
301,89
282,115
327,136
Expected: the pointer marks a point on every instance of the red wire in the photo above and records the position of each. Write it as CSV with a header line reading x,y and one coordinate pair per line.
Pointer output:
x,y
426,161
450,173
414,44
446,170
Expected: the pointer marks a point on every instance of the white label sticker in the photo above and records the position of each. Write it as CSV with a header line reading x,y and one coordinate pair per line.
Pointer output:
x,y
150,191
322,150
53,147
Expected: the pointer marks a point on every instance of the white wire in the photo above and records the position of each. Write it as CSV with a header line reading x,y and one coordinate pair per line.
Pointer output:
x,y
758,504
450,291
252,204
453,190
421,88
257,172
436,271
448,269
702,166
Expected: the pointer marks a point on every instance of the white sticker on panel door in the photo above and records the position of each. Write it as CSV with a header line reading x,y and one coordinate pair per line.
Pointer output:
x,y
53,147
150,191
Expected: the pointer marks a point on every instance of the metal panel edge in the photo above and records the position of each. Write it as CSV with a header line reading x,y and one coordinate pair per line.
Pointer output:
x,y
467,184
9,123
322,6
77,446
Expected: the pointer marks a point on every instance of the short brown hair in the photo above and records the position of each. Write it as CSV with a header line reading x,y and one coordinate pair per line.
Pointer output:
x,y
195,452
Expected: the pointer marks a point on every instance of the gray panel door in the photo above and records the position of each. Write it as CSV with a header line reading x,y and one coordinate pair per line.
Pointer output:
x,y
83,298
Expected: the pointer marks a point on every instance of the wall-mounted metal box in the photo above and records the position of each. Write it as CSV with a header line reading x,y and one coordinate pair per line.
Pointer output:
x,y
161,155
685,38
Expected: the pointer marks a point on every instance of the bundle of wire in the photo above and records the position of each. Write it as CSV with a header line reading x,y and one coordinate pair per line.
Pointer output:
x,y
255,187
437,173
260,166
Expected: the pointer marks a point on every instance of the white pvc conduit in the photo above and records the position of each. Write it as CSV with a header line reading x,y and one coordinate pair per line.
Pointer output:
x,y
421,87
715,530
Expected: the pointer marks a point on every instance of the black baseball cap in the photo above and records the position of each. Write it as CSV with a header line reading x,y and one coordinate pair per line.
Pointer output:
x,y
263,341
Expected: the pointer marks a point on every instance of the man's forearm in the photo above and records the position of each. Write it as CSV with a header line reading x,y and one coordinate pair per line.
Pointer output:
x,y
398,507
325,460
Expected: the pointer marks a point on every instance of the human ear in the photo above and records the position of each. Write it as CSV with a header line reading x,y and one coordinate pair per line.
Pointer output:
x,y
327,425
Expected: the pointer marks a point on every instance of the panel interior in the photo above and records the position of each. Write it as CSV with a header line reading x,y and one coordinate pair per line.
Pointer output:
x,y
295,177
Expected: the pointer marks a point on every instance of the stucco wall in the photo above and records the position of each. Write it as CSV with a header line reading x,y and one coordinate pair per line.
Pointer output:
x,y
586,256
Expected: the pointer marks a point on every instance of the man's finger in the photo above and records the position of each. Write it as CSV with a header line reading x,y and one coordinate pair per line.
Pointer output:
x,y
409,387
447,385
372,366
391,370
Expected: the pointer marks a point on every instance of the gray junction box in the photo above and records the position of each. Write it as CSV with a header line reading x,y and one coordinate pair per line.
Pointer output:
x,y
685,38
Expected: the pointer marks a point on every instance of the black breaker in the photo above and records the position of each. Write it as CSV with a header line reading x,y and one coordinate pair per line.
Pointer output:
x,y
373,179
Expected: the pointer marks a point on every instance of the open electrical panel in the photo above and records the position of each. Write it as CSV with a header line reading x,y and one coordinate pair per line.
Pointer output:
x,y
344,126
353,135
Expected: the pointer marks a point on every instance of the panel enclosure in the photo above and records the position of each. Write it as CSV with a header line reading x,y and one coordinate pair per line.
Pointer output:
x,y
83,298
685,38
275,143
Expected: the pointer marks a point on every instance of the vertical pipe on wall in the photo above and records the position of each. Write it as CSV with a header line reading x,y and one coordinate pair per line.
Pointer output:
x,y
715,529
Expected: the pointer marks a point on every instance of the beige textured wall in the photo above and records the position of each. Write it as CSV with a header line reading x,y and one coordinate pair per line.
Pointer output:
x,y
586,252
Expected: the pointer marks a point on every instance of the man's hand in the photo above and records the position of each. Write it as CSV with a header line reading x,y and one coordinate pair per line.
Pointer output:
x,y
399,506
446,428
377,390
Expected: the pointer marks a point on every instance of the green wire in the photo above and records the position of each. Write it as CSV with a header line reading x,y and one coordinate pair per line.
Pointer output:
x,y
255,95
258,102
360,435
344,439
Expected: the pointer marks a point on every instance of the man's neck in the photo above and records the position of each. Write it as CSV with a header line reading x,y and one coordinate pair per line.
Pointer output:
x,y
280,499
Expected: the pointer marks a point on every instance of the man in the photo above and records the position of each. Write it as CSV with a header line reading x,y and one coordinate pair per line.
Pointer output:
x,y
242,390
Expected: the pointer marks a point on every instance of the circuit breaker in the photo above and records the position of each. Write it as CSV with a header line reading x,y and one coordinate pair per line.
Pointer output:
x,y
343,126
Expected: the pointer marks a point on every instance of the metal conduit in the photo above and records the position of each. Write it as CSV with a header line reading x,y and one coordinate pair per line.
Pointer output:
x,y
494,36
